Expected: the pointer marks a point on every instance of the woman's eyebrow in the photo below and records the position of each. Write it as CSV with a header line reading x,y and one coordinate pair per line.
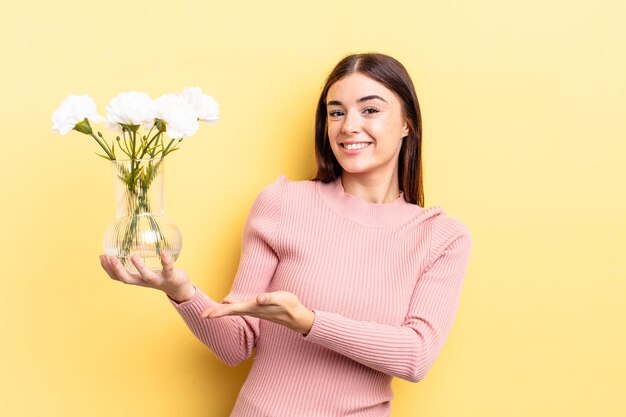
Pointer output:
x,y
372,97
361,100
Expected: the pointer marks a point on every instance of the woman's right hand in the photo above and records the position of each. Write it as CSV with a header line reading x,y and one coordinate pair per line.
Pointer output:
x,y
173,282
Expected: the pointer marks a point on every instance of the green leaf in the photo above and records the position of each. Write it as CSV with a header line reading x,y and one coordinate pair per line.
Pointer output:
x,y
170,151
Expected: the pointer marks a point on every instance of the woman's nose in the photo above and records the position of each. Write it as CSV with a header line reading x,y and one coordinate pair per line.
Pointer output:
x,y
351,123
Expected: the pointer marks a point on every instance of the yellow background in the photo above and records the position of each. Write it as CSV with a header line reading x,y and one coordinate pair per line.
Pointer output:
x,y
524,140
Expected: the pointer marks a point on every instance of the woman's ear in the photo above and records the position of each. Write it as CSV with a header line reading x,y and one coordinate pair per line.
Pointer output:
x,y
405,129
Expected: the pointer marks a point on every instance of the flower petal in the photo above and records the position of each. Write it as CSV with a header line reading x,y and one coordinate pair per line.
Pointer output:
x,y
181,119
73,110
205,105
131,108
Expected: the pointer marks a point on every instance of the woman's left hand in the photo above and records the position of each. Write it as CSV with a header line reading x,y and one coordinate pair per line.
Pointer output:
x,y
281,307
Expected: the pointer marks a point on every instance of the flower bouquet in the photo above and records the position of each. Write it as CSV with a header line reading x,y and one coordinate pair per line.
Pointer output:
x,y
147,131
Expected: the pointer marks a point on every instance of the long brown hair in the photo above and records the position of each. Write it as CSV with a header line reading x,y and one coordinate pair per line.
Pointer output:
x,y
392,74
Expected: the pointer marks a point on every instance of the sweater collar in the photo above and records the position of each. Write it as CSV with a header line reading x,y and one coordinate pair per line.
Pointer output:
x,y
369,214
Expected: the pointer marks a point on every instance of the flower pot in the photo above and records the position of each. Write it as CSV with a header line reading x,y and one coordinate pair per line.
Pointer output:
x,y
141,226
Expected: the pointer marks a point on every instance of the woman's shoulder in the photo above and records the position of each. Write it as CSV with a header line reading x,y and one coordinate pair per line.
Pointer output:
x,y
282,185
443,228
439,219
282,188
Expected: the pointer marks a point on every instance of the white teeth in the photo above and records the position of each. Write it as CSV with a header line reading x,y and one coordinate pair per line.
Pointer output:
x,y
354,146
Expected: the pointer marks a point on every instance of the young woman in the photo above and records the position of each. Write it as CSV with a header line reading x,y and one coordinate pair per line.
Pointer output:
x,y
344,281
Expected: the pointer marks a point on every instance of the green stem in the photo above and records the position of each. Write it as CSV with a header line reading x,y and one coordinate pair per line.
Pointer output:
x,y
127,152
145,150
168,147
133,140
106,148
139,205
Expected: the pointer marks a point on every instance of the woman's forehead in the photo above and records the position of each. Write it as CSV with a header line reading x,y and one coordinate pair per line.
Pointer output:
x,y
357,85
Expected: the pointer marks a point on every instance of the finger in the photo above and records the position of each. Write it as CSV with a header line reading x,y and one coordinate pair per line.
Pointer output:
x,y
107,265
145,274
104,262
218,311
120,273
276,298
206,313
265,299
240,308
168,264
212,312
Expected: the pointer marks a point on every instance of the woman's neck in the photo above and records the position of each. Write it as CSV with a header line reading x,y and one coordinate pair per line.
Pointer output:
x,y
381,190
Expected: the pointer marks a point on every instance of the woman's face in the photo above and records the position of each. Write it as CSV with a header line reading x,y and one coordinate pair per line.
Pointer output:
x,y
366,125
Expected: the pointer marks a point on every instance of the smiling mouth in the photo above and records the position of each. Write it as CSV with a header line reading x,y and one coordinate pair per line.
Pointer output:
x,y
355,146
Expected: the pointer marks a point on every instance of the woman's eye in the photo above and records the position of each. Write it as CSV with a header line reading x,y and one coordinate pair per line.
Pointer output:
x,y
335,113
370,110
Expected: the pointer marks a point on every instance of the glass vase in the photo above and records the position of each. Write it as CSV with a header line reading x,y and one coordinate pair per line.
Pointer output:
x,y
141,226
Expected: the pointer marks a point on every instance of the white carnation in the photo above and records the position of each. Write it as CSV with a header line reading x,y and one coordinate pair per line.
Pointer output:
x,y
207,108
181,119
73,110
131,108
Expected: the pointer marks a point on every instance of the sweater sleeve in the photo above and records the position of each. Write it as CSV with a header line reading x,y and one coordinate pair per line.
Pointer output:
x,y
232,338
407,351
